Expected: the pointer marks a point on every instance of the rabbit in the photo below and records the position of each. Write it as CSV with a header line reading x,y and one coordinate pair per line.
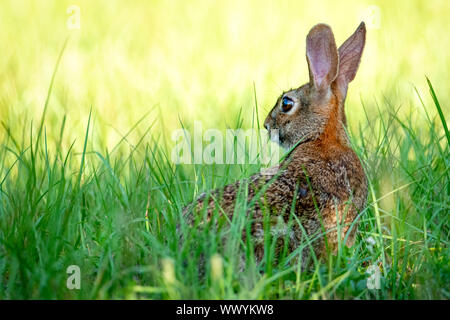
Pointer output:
x,y
322,177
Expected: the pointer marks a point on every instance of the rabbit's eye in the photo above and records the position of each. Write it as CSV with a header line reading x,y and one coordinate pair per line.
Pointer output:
x,y
286,104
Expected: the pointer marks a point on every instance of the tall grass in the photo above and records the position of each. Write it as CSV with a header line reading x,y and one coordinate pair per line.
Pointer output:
x,y
115,216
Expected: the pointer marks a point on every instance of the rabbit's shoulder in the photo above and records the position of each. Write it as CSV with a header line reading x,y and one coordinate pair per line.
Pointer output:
x,y
332,174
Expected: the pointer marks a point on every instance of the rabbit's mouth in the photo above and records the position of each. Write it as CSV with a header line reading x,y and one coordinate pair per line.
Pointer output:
x,y
274,135
277,137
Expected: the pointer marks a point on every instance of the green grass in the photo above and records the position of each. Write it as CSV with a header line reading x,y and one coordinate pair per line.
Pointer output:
x,y
114,214
85,171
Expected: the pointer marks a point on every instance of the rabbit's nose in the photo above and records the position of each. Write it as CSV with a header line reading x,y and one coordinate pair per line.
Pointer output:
x,y
266,125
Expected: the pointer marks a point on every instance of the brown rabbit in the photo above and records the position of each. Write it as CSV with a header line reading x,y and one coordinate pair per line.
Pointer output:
x,y
322,178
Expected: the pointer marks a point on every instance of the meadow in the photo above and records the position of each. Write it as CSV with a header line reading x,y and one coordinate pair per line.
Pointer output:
x,y
88,104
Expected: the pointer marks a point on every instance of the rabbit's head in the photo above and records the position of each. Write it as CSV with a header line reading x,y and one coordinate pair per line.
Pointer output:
x,y
307,112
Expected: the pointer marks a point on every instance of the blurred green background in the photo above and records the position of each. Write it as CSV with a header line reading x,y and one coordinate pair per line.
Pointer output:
x,y
199,60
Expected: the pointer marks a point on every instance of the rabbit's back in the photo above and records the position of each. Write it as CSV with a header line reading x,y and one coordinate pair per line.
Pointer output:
x,y
314,185
326,189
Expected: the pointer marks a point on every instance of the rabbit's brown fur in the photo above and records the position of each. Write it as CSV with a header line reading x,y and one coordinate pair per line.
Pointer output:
x,y
322,176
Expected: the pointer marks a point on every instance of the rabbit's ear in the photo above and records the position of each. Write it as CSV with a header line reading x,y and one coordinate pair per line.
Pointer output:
x,y
349,57
322,56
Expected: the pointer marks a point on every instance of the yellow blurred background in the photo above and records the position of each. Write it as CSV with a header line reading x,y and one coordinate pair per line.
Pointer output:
x,y
199,60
